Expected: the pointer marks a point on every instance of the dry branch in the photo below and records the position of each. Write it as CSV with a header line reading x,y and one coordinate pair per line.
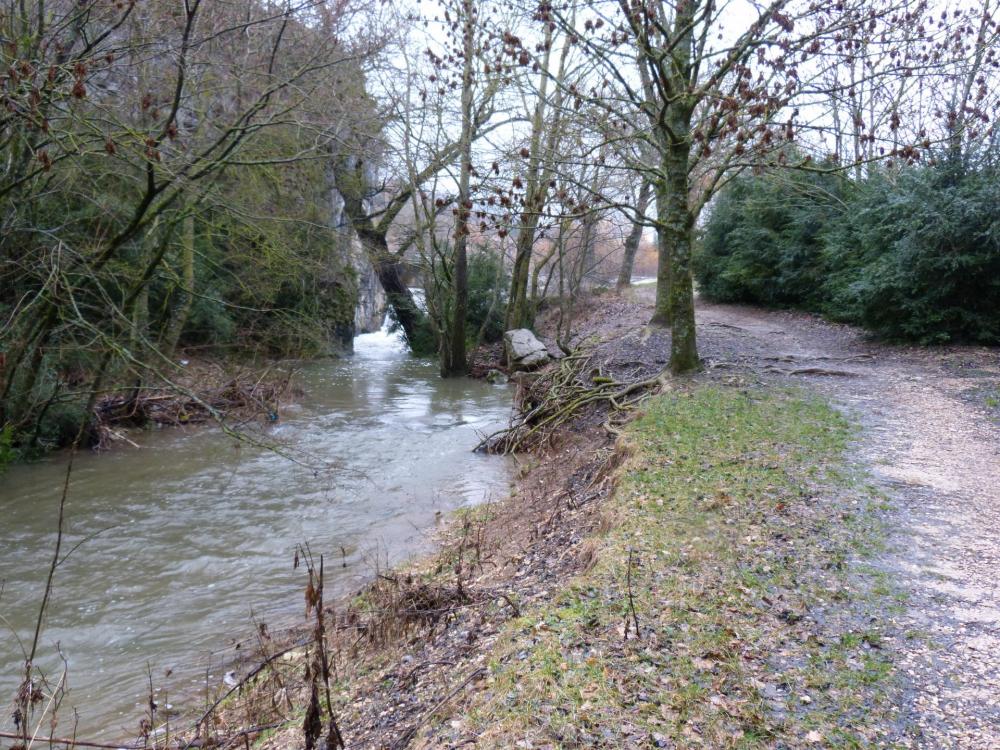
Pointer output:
x,y
562,393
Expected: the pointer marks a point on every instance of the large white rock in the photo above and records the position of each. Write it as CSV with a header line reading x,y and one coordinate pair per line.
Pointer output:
x,y
523,350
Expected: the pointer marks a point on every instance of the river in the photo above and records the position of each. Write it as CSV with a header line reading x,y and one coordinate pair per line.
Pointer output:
x,y
186,538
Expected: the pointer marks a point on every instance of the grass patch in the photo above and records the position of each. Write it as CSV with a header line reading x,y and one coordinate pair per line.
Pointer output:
x,y
740,525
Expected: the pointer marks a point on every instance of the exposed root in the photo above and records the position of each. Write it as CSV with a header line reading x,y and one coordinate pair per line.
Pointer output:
x,y
563,392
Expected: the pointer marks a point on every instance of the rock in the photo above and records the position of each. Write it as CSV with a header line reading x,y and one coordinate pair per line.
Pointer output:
x,y
496,377
523,350
372,302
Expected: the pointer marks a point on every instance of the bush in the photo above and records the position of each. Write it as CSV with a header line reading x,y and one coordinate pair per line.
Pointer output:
x,y
762,244
60,424
8,454
921,255
488,285
488,281
911,255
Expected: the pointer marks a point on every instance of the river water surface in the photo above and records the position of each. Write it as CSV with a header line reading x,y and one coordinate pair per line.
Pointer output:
x,y
182,538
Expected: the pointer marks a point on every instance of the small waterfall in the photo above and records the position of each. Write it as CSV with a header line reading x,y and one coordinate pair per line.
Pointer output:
x,y
382,344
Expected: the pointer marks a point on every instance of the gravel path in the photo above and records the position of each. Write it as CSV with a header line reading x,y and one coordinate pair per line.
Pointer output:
x,y
931,438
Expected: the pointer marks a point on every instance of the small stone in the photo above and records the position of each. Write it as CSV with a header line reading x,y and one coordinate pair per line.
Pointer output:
x,y
496,377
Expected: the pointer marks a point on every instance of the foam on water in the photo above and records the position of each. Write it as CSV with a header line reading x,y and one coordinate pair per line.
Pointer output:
x,y
384,343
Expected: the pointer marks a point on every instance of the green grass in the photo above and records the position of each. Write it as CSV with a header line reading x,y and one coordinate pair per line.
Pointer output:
x,y
746,525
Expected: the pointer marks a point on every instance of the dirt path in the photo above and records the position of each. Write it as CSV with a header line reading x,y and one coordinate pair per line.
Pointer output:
x,y
931,437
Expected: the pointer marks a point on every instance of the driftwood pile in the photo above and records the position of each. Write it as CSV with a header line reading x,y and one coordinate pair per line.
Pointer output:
x,y
577,385
246,396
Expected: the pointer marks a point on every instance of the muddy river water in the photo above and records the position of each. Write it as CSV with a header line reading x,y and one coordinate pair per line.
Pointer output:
x,y
177,546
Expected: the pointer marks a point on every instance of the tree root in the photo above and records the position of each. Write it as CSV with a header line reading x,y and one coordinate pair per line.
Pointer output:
x,y
563,393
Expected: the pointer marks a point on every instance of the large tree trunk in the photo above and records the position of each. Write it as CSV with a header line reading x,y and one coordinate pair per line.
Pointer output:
x,y
675,217
391,273
349,180
453,357
677,226
633,239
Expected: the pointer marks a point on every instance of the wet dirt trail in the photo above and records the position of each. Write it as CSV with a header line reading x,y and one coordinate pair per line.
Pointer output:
x,y
931,439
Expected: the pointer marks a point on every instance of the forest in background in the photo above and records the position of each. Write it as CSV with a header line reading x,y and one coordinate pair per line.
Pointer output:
x,y
230,177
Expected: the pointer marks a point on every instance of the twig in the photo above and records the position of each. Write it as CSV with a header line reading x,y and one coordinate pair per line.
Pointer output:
x,y
72,742
239,685
631,599
407,736
510,602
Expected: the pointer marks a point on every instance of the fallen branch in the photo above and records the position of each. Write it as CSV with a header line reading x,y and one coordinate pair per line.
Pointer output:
x,y
240,395
562,393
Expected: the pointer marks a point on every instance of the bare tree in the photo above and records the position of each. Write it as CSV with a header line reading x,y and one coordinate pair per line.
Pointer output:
x,y
713,101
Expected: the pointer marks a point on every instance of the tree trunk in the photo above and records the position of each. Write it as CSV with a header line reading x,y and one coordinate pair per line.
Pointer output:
x,y
633,239
350,183
520,307
518,313
584,260
536,272
661,308
12,400
184,290
453,356
678,231
675,217
390,272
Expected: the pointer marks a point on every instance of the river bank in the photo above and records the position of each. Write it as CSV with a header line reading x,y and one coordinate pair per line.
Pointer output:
x,y
709,575
178,550
778,552
197,389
